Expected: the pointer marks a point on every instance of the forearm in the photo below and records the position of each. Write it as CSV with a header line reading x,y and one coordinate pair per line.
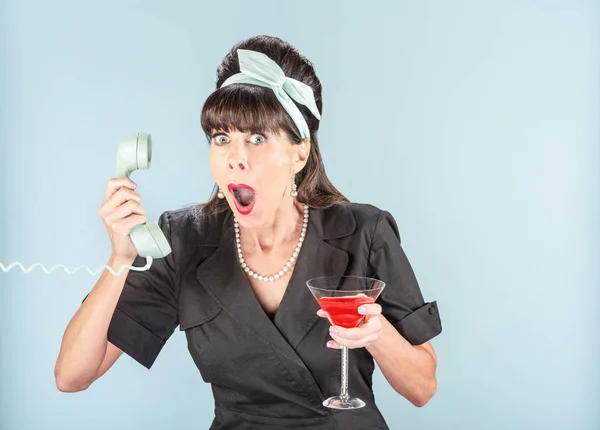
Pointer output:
x,y
409,369
84,342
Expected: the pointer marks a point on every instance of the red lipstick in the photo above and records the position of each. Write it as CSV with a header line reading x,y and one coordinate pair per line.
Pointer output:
x,y
243,210
232,186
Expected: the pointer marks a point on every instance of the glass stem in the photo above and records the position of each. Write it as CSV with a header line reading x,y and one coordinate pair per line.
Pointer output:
x,y
344,395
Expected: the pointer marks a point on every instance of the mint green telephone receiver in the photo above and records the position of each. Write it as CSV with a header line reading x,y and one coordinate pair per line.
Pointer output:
x,y
135,152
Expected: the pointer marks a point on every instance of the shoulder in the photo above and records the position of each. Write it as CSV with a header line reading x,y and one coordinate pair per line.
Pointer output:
x,y
352,218
193,226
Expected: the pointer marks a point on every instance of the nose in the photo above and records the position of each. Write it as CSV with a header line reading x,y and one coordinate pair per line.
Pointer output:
x,y
240,165
237,157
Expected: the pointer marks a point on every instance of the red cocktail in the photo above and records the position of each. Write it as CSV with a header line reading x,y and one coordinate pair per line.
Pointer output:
x,y
343,311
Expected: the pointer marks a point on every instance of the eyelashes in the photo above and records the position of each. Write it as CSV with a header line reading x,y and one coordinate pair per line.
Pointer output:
x,y
220,139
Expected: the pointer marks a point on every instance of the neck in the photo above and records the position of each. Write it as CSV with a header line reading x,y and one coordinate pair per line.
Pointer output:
x,y
285,225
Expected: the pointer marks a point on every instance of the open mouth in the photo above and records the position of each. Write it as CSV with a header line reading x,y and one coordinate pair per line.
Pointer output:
x,y
244,197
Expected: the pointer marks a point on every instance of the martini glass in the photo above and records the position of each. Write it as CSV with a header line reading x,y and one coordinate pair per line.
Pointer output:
x,y
339,297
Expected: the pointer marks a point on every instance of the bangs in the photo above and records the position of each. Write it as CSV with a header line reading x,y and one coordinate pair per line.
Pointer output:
x,y
247,109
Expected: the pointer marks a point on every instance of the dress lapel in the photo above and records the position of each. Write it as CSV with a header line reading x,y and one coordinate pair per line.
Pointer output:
x,y
297,313
223,277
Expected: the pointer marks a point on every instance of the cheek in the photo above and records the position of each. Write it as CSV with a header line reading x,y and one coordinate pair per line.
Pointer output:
x,y
217,166
274,172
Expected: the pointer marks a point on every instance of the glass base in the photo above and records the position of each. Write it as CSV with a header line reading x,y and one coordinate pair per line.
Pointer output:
x,y
337,402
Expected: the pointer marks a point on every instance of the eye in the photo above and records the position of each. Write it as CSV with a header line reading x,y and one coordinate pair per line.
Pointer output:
x,y
258,139
220,139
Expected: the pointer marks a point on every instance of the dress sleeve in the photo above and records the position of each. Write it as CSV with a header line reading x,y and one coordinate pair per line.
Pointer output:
x,y
147,314
401,300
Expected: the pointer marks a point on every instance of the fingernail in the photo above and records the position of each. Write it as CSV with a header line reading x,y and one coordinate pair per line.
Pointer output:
x,y
332,331
134,184
362,310
330,345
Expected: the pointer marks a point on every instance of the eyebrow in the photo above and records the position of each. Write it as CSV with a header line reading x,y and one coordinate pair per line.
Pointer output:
x,y
219,132
216,133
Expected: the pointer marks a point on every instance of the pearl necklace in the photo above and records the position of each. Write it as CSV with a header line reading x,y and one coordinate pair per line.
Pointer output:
x,y
286,267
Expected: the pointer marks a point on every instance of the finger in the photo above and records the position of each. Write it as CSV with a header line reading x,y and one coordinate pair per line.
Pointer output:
x,y
123,226
121,196
115,184
118,199
370,309
123,211
358,343
373,325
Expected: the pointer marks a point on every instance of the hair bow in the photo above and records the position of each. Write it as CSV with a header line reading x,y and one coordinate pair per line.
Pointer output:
x,y
258,69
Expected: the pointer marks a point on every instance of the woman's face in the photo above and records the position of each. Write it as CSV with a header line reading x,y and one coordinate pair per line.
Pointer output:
x,y
255,172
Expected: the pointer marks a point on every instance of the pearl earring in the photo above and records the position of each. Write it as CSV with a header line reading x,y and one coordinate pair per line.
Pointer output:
x,y
220,194
294,192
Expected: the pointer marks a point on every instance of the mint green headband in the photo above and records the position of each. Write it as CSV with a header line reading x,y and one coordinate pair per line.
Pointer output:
x,y
258,69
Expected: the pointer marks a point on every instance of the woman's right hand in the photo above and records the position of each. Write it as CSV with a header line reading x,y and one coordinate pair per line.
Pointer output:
x,y
120,211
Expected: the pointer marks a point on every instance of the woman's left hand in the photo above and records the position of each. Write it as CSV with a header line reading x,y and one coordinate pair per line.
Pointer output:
x,y
360,336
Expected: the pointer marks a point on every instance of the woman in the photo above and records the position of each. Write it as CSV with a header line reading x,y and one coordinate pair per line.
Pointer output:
x,y
235,281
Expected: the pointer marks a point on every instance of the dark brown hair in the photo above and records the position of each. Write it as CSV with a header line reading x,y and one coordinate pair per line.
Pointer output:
x,y
255,109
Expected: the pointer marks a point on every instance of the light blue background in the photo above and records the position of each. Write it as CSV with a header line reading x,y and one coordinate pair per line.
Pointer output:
x,y
475,123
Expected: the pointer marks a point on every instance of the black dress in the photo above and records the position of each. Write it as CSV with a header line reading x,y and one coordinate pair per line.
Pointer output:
x,y
270,373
